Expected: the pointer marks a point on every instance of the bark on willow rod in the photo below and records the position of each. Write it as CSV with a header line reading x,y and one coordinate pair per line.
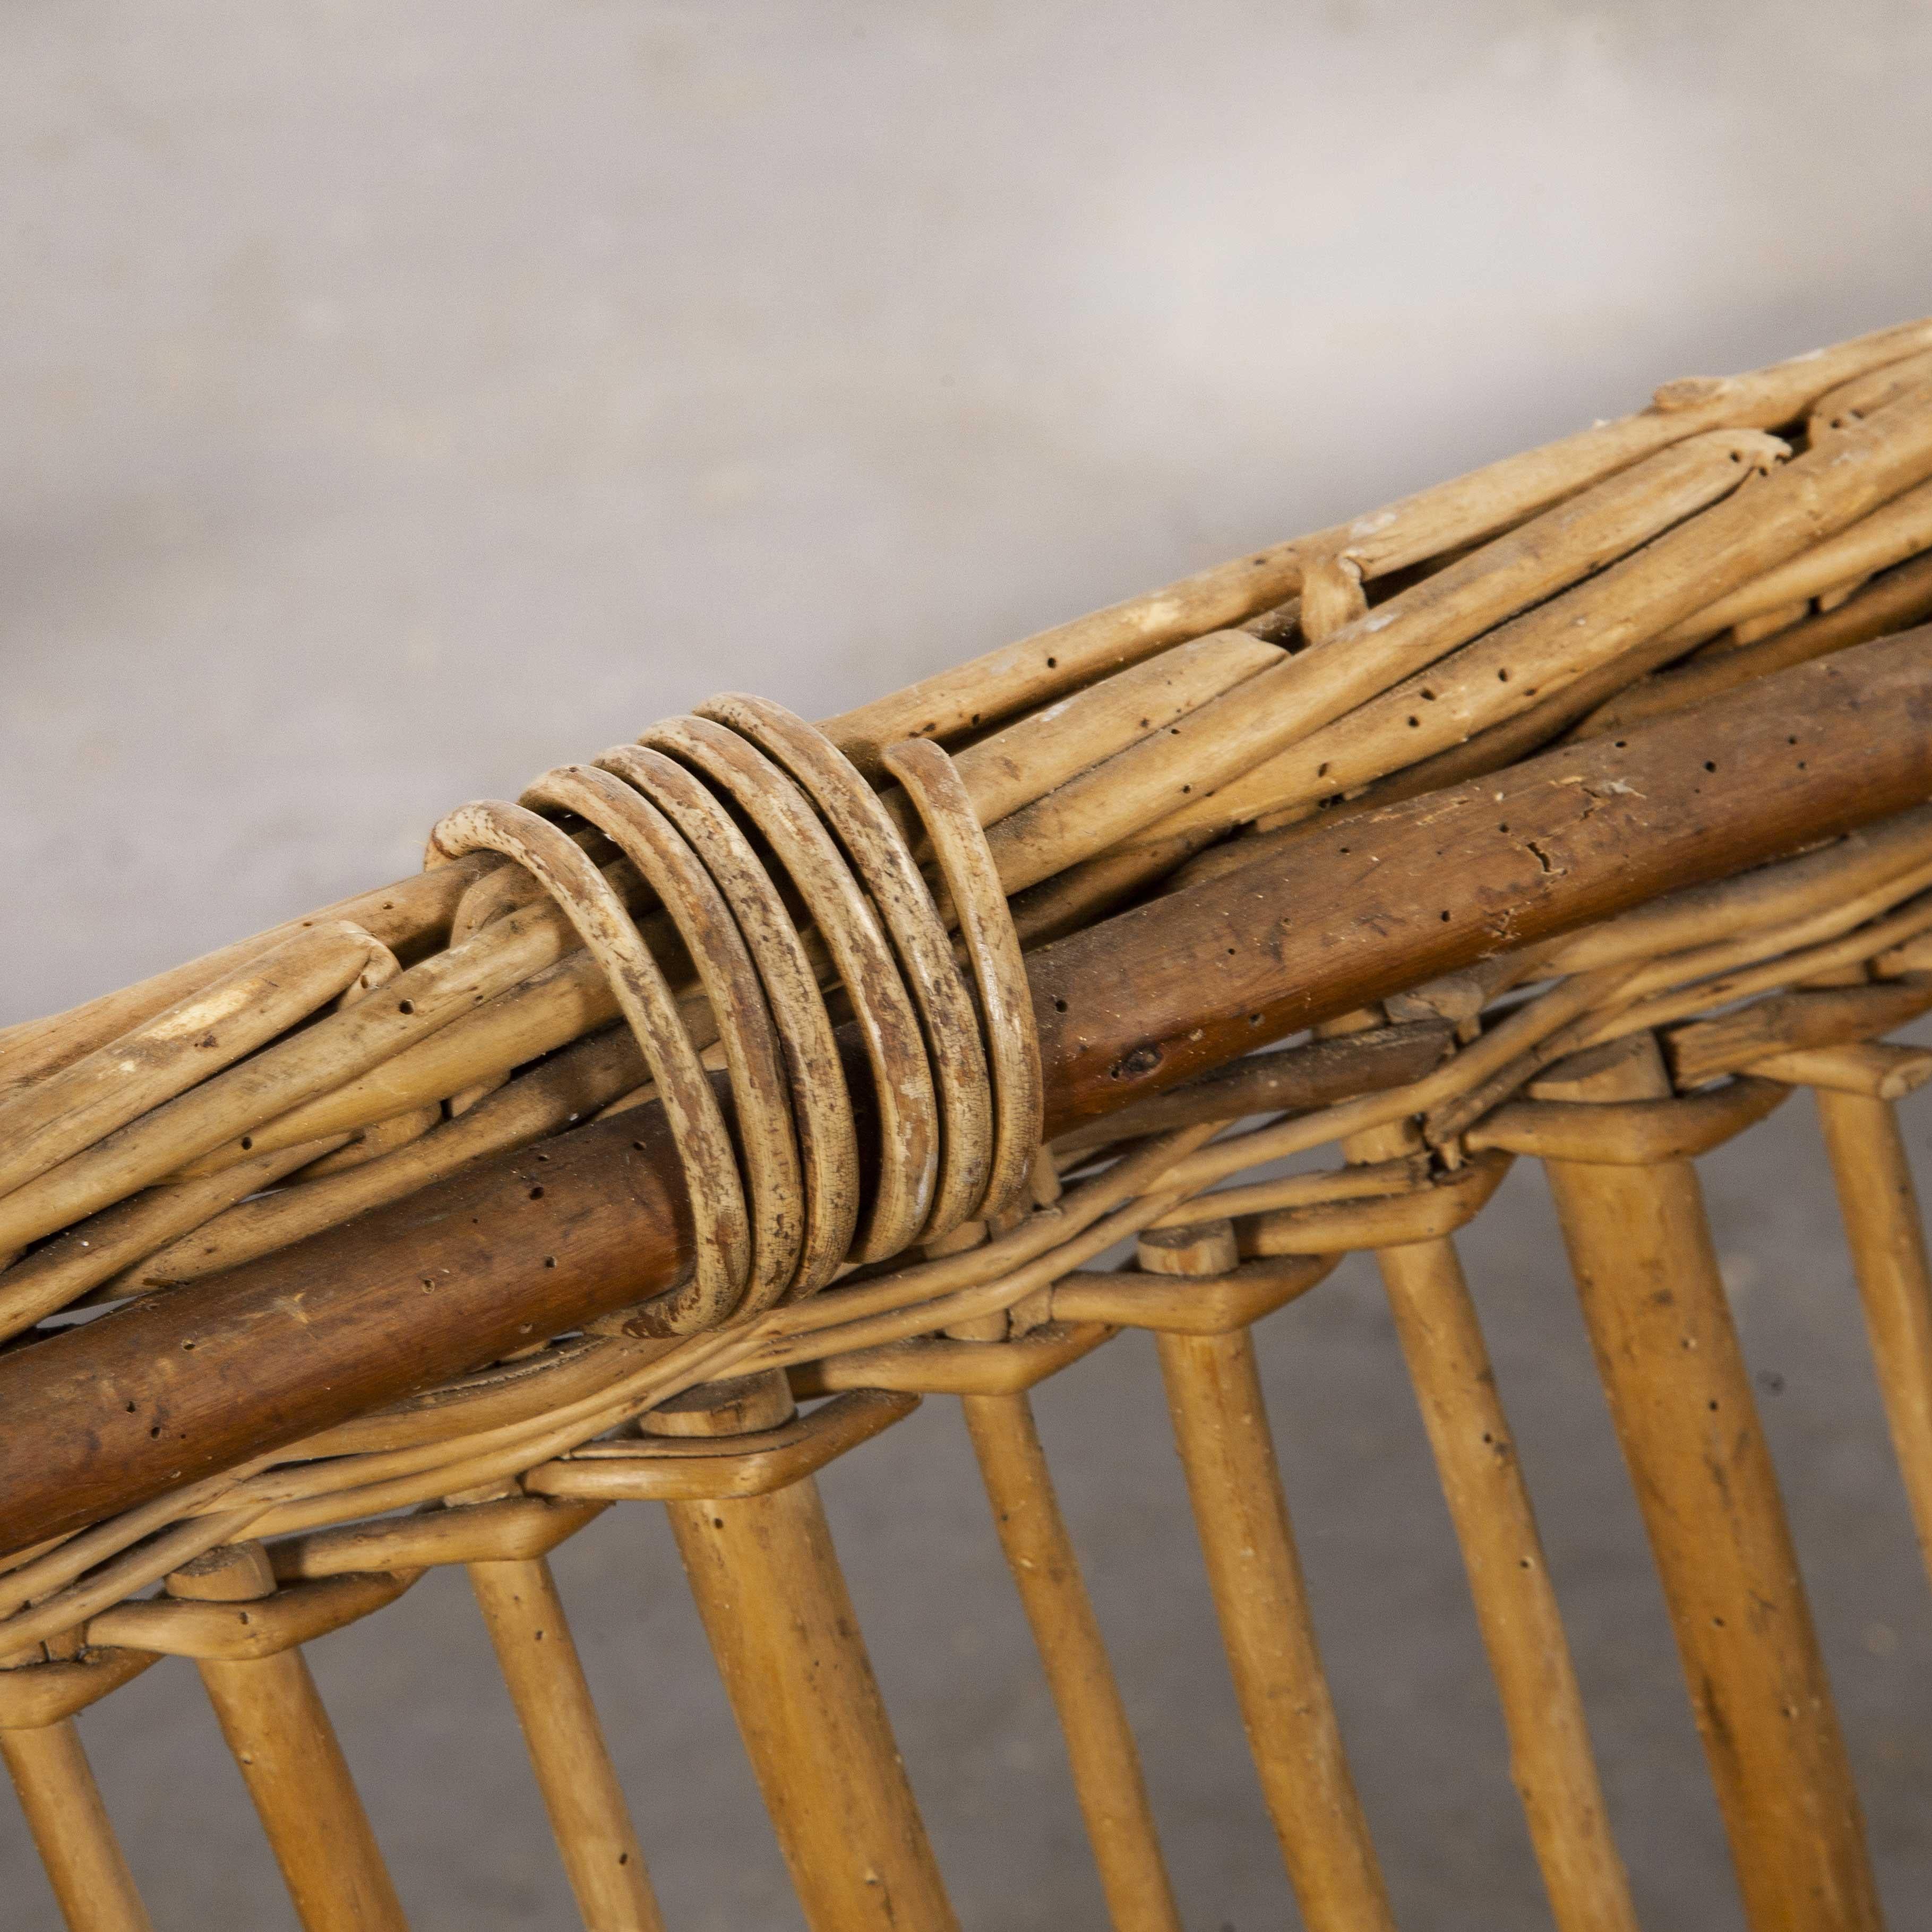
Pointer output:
x,y
466,1271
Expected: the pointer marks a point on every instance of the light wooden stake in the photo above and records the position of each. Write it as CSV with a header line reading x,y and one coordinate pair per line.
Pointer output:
x,y
1550,1757
786,1637
85,1864
1100,1748
275,1724
595,1836
1681,1399
1887,1240
1221,1429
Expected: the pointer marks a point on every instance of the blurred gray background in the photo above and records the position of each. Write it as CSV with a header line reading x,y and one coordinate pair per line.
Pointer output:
x,y
398,399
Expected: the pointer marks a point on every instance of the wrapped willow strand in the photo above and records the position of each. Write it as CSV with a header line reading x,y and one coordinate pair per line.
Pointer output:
x,y
698,1123
882,860
945,808
765,1142
828,1146
940,1159
904,1093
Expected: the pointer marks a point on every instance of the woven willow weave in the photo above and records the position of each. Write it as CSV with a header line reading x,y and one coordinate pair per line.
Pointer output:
x,y
1578,809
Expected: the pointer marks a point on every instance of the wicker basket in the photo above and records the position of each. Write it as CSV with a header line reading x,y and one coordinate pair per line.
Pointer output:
x,y
683,1124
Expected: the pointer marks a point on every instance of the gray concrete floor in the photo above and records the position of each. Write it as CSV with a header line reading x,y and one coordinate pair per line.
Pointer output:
x,y
400,399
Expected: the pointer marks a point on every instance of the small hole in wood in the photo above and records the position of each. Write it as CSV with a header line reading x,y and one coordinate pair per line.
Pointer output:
x,y
247,1142
1053,664
550,1261
1708,766
1060,1006
536,1193
406,1006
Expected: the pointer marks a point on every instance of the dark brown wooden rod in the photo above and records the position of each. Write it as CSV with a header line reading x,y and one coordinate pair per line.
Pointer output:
x,y
520,1246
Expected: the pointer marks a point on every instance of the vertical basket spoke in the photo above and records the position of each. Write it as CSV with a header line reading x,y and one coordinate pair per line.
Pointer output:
x,y
782,1626
1887,1239
1680,1398
1100,1748
1550,1757
538,1657
83,1860
274,1723
1221,1431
